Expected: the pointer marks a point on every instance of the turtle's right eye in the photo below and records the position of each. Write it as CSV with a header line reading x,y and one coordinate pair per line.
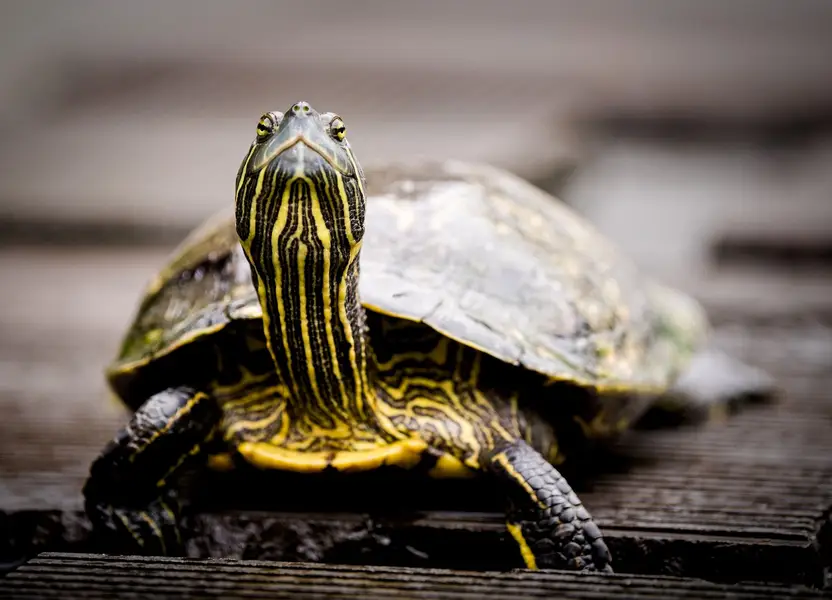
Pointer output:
x,y
337,129
267,124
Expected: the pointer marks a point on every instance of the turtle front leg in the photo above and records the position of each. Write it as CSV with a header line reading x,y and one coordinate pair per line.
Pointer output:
x,y
545,517
132,507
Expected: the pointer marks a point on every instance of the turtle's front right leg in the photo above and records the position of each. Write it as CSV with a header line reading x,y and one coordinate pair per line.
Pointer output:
x,y
128,498
545,517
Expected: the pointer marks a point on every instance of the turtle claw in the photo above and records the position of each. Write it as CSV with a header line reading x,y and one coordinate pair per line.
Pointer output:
x,y
545,517
152,530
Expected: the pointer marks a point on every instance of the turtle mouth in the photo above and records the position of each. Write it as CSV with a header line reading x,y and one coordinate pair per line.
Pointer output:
x,y
299,152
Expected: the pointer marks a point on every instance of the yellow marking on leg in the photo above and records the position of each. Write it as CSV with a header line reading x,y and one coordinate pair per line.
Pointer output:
x,y
155,527
172,516
192,452
405,454
525,551
126,523
503,461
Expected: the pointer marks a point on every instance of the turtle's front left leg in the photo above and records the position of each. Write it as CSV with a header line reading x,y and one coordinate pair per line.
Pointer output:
x,y
128,498
545,517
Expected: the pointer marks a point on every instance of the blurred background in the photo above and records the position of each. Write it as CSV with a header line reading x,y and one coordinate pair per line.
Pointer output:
x,y
695,133
672,124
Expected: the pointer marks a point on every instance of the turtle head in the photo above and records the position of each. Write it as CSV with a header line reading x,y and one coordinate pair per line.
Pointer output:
x,y
299,193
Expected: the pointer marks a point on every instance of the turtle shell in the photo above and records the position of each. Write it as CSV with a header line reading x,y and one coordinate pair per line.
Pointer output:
x,y
472,251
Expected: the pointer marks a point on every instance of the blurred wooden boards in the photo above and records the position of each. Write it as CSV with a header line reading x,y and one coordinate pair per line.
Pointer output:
x,y
96,576
743,499
404,77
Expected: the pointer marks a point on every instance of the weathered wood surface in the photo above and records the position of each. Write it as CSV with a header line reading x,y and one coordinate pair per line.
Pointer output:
x,y
97,576
744,499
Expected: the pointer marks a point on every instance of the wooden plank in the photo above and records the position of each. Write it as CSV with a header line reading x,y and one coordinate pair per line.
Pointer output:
x,y
97,576
747,498
702,508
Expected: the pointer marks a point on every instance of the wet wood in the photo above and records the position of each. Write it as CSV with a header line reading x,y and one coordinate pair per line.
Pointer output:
x,y
96,576
746,498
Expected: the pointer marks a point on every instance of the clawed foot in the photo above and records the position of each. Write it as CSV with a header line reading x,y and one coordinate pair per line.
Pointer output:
x,y
546,518
152,530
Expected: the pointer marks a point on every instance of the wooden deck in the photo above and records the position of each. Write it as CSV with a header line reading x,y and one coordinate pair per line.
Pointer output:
x,y
96,576
745,499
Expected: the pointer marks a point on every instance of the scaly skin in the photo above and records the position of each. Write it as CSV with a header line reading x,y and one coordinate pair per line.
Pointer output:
x,y
546,518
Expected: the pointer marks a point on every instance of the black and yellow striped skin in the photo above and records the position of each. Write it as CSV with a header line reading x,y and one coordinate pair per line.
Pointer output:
x,y
300,219
429,388
456,398
310,365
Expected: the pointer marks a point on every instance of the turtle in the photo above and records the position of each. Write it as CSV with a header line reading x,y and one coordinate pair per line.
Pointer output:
x,y
440,316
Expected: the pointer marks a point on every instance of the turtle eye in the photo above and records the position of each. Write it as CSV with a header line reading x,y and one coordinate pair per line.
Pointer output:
x,y
337,129
267,123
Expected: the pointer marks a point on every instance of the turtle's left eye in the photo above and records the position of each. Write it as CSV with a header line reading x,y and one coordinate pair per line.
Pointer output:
x,y
267,123
337,129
